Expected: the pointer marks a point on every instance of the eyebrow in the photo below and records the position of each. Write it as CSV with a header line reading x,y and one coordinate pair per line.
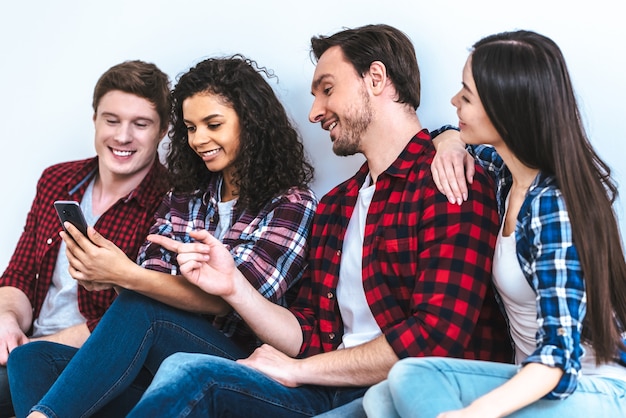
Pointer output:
x,y
115,115
466,88
205,119
319,80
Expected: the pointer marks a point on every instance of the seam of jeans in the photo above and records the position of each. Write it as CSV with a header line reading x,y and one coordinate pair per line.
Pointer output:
x,y
184,330
98,404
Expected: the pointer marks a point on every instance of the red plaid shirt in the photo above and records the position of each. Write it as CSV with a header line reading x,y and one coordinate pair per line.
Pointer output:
x,y
126,224
426,264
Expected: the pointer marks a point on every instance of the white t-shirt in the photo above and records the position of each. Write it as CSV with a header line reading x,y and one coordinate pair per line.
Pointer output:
x,y
60,307
358,322
225,210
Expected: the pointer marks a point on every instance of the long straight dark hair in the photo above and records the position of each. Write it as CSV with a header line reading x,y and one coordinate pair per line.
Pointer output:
x,y
524,85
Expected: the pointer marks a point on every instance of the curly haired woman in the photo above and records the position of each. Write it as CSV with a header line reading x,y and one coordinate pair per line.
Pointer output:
x,y
238,171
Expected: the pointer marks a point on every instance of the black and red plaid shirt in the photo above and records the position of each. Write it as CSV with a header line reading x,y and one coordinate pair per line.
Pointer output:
x,y
126,224
426,264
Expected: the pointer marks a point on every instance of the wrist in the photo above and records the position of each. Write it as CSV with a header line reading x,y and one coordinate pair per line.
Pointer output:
x,y
131,278
242,292
449,136
485,408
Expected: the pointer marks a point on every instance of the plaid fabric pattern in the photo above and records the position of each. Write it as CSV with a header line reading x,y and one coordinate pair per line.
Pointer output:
x,y
550,262
269,247
126,224
426,264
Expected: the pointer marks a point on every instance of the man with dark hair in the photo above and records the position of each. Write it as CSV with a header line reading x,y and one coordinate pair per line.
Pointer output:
x,y
395,270
119,191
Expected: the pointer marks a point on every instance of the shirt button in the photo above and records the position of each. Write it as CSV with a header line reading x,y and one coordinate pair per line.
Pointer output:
x,y
338,253
331,335
561,331
330,295
49,241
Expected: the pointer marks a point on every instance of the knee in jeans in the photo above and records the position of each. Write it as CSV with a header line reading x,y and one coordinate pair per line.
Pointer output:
x,y
23,353
408,368
173,361
173,365
374,395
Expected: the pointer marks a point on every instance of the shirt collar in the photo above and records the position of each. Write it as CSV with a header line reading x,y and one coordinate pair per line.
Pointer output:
x,y
399,168
407,158
155,181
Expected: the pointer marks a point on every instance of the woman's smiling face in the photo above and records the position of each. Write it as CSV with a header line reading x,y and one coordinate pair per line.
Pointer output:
x,y
213,130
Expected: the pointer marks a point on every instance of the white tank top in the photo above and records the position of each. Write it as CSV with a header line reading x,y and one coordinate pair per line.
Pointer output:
x,y
521,308
518,297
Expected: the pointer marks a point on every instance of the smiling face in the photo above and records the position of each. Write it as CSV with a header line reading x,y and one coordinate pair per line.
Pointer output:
x,y
341,103
475,125
213,131
127,135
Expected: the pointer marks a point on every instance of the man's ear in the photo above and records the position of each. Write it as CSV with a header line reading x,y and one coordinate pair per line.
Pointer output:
x,y
378,77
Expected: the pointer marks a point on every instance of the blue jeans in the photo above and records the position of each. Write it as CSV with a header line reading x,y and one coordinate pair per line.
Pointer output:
x,y
424,387
46,361
134,336
192,385
352,409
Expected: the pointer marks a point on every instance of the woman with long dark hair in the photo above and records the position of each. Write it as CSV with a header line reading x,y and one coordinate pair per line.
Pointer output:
x,y
239,171
559,266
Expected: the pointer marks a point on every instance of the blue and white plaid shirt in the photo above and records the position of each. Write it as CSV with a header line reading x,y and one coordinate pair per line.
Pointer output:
x,y
550,263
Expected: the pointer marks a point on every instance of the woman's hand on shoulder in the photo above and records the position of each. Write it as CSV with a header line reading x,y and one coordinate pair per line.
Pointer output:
x,y
452,167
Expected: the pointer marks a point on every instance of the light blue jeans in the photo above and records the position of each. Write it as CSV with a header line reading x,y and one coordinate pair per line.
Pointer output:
x,y
204,386
425,387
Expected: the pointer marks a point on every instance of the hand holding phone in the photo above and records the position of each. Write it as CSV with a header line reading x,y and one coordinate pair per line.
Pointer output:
x,y
70,211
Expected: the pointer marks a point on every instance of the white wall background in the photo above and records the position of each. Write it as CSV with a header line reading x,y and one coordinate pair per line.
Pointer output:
x,y
53,52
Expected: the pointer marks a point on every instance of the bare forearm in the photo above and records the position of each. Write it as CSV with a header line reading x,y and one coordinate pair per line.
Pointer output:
x,y
447,135
15,304
532,383
272,323
362,365
207,264
172,290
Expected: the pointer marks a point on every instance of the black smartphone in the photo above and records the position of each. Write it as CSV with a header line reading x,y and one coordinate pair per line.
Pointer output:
x,y
70,211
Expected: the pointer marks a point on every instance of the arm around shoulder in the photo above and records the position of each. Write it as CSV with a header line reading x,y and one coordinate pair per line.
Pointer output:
x,y
453,168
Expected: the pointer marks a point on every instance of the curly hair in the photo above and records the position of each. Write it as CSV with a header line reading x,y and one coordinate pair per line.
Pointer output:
x,y
271,157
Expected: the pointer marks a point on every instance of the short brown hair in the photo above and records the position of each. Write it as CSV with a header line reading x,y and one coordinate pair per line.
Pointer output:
x,y
363,45
140,78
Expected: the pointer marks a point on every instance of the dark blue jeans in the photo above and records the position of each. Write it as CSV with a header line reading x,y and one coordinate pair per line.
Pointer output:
x,y
46,361
196,385
136,333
